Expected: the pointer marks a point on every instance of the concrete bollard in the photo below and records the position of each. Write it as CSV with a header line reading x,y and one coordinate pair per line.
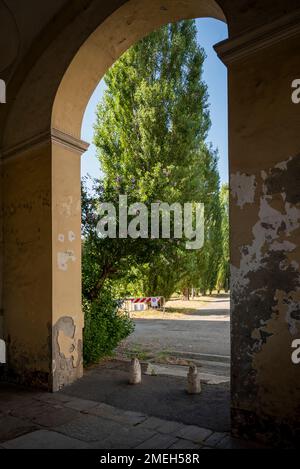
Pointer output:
x,y
193,378
135,372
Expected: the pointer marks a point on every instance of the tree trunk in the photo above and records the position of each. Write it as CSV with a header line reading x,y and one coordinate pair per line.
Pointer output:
x,y
186,294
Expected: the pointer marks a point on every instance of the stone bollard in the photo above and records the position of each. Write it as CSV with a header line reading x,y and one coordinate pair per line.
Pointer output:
x,y
150,370
194,384
135,372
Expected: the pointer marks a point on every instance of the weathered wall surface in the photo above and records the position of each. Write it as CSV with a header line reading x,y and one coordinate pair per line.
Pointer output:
x,y
244,15
42,264
67,322
265,240
27,279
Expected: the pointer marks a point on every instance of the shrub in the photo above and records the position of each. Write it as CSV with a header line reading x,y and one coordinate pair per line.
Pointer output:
x,y
104,327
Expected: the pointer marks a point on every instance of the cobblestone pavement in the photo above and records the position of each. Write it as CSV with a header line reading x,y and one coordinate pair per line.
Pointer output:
x,y
30,420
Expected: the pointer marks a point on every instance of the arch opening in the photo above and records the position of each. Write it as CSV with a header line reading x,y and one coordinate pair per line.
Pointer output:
x,y
220,303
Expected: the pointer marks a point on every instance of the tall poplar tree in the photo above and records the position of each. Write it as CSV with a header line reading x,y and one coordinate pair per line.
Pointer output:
x,y
154,118
150,135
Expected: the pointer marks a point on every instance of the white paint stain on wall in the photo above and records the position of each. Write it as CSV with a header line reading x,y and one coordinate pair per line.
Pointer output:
x,y
243,188
71,236
64,258
283,166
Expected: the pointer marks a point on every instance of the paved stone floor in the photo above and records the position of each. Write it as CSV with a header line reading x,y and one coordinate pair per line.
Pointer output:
x,y
31,420
160,396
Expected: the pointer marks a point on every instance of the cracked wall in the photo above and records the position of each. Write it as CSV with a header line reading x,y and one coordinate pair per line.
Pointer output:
x,y
27,278
266,288
67,353
67,363
42,265
265,248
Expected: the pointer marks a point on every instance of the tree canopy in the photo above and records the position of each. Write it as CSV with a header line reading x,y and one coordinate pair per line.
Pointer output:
x,y
150,135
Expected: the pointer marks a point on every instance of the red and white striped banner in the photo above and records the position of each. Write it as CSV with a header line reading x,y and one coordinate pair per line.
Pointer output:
x,y
136,304
141,300
146,300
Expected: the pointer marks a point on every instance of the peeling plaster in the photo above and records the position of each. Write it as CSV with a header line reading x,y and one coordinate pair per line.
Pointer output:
x,y
243,188
67,352
283,165
284,246
266,283
67,347
290,305
284,179
267,232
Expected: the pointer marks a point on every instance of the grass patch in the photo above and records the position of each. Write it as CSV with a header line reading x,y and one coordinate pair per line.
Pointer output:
x,y
137,352
186,311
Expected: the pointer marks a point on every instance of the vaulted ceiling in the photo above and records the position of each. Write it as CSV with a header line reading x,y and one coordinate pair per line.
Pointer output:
x,y
28,28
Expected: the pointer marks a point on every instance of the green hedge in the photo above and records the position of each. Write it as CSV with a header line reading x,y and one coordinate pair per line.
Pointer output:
x,y
104,328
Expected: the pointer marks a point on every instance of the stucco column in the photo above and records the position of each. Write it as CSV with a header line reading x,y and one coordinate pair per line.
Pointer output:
x,y
1,257
42,260
264,153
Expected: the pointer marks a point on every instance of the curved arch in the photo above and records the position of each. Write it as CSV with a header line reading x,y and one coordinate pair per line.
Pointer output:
x,y
110,40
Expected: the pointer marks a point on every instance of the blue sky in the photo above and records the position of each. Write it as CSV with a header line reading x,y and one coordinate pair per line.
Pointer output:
x,y
210,32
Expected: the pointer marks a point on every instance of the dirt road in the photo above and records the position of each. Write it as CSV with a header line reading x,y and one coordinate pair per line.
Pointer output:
x,y
200,326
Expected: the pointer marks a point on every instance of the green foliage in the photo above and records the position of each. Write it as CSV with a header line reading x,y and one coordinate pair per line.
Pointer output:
x,y
104,327
153,119
223,280
200,268
150,133
137,352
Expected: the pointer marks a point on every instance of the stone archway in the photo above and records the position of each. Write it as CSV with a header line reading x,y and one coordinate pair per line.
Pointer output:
x,y
106,44
41,150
